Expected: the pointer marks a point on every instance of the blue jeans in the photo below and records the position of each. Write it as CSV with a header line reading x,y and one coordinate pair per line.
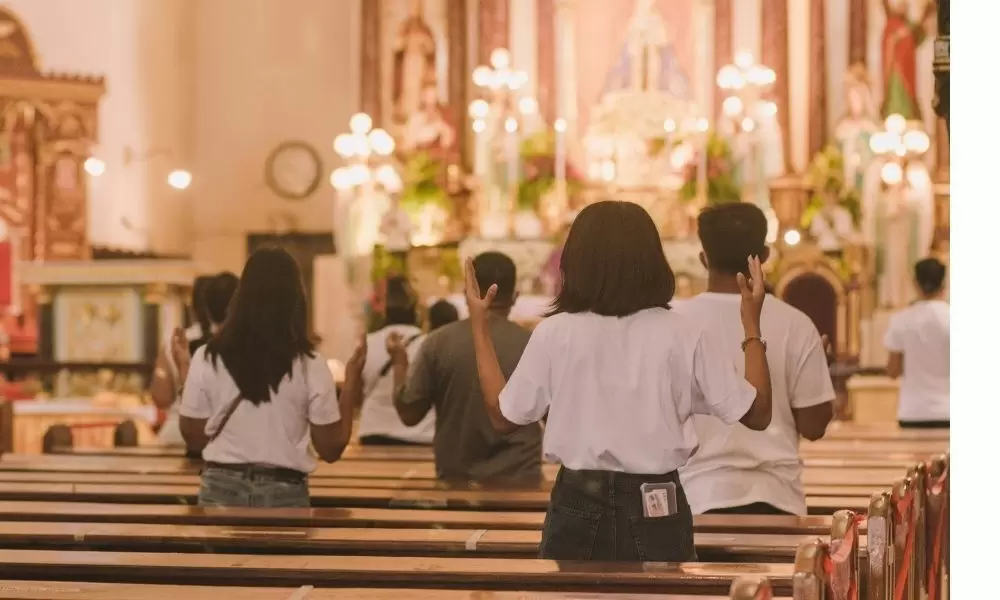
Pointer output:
x,y
598,515
223,487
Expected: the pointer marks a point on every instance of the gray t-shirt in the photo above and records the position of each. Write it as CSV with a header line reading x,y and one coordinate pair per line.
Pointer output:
x,y
466,446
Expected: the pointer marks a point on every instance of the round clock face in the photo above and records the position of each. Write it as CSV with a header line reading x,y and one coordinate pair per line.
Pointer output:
x,y
294,170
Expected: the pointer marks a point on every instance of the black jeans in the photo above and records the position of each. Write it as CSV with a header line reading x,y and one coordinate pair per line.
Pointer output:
x,y
925,424
757,508
597,515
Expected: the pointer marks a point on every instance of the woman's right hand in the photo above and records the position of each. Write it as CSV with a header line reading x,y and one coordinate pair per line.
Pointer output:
x,y
478,304
751,296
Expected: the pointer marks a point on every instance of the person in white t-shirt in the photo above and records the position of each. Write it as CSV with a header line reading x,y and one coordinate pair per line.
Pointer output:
x,y
166,382
736,470
919,343
380,423
619,377
258,392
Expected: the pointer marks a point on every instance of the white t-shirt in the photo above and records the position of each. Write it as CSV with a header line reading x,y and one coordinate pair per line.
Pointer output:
x,y
621,392
275,433
922,334
734,465
170,431
378,415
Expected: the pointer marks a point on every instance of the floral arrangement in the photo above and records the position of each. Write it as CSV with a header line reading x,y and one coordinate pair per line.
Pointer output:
x,y
423,183
539,164
723,184
826,176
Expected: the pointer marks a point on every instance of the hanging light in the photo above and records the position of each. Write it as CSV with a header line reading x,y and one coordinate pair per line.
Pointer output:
x,y
94,166
179,179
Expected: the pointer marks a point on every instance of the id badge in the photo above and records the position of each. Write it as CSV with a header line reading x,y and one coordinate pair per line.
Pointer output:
x,y
658,499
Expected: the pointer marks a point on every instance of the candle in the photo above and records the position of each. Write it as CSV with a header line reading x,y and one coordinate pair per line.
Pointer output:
x,y
512,154
560,167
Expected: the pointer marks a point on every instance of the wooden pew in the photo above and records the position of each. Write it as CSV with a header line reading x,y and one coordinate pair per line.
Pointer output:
x,y
751,588
403,572
75,590
363,517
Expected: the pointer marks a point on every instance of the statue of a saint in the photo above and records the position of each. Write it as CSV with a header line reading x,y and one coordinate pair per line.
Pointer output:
x,y
429,128
832,226
396,228
414,63
855,129
898,220
901,38
648,62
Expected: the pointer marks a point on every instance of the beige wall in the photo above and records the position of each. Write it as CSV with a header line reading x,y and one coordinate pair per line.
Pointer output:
x,y
214,85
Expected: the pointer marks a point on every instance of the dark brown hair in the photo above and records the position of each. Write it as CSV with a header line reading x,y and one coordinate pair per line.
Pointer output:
x,y
613,263
732,233
266,325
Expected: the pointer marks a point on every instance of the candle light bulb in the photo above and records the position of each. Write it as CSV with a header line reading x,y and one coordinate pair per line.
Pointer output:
x,y
527,106
744,59
481,76
479,109
670,126
479,125
510,125
500,58
895,123
560,125
360,123
732,106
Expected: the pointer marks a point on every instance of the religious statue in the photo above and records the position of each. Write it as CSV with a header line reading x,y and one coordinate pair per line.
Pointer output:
x,y
854,131
414,62
898,220
901,38
648,62
430,128
832,227
396,228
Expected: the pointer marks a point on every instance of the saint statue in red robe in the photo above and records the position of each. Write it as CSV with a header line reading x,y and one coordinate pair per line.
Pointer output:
x,y
901,38
414,64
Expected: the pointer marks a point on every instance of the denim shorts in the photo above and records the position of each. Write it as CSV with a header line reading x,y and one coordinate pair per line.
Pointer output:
x,y
224,487
598,515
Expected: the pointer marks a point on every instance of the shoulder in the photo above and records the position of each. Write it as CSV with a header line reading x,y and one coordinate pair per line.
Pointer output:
x,y
787,315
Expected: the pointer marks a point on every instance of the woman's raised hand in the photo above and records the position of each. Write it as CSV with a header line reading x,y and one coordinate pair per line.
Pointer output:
x,y
752,294
478,304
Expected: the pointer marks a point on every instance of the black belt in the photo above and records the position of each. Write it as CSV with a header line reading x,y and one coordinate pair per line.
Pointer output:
x,y
249,470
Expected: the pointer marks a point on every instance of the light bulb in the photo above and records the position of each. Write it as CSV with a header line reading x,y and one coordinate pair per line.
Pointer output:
x,y
479,125
732,106
748,125
880,142
94,167
481,76
360,145
892,173
670,126
744,59
479,109
361,123
792,237
179,179
517,80
510,125
387,177
343,145
702,124
895,123
916,141
500,58
729,78
527,106
381,142
359,174
768,109
560,125
341,179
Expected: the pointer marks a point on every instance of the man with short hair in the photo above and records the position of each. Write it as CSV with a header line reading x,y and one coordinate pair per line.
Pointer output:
x,y
444,376
736,470
919,343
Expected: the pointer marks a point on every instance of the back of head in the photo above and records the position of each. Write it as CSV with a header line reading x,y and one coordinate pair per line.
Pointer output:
x,y
732,233
266,325
441,313
613,263
496,268
929,274
218,294
400,302
201,282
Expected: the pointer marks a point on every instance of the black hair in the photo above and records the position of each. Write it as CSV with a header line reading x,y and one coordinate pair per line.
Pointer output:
x,y
613,263
400,303
266,328
497,268
730,234
198,301
218,294
441,313
929,274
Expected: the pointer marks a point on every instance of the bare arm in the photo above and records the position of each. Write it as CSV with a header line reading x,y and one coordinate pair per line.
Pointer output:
x,y
811,422
756,370
491,377
410,395
895,367
193,432
331,439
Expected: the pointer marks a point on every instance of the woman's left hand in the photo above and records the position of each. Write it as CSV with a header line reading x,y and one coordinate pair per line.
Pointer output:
x,y
180,351
478,304
356,364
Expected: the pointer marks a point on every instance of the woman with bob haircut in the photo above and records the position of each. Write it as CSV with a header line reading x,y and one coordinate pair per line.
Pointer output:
x,y
258,392
619,377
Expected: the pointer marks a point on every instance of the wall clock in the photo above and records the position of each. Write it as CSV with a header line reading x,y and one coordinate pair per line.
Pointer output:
x,y
293,170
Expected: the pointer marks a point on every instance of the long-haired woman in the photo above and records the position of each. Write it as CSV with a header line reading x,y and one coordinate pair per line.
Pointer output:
x,y
258,392
619,377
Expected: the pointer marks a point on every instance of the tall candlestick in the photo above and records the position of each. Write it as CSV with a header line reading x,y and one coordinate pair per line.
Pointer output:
x,y
560,167
512,155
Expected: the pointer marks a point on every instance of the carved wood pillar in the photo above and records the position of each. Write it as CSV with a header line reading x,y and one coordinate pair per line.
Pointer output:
x,y
857,45
774,34
371,54
458,71
546,68
494,27
723,48
817,76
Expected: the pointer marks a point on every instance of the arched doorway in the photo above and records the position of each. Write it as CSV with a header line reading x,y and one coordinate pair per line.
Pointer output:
x,y
816,296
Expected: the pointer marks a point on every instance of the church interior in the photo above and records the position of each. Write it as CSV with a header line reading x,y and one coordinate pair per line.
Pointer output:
x,y
146,142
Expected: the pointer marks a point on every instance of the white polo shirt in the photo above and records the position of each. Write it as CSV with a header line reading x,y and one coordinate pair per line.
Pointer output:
x,y
734,465
378,415
621,393
275,433
922,334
